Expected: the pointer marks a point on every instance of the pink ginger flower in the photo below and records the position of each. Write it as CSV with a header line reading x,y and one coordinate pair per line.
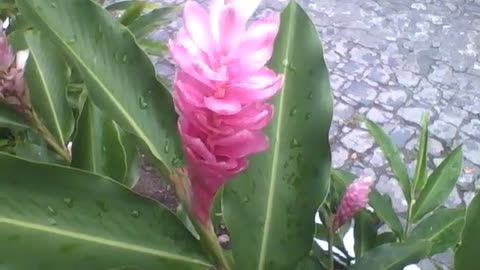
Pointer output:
x,y
220,92
354,199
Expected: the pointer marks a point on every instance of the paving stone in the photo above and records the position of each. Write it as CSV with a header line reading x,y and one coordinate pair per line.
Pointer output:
x,y
343,112
471,151
468,197
435,147
453,115
401,135
386,185
411,114
377,159
394,98
453,199
407,78
336,82
339,156
361,92
443,130
379,75
379,116
428,95
440,74
472,128
358,140
362,55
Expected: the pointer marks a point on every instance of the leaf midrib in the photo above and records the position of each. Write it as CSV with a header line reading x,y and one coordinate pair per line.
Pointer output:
x,y
44,84
102,241
444,228
275,162
137,130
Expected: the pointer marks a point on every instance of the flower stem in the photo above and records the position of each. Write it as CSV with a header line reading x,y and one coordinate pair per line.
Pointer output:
x,y
210,240
331,236
48,137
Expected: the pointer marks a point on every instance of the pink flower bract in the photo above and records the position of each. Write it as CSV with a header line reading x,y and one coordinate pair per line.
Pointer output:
x,y
220,91
354,200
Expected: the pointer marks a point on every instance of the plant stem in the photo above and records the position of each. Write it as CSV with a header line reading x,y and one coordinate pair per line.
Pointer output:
x,y
210,240
330,244
48,137
407,225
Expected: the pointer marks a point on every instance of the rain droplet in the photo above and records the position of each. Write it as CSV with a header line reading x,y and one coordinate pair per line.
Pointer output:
x,y
285,165
308,116
102,205
51,210
166,148
142,102
68,202
285,62
53,5
294,143
124,58
72,40
95,60
310,95
52,221
99,35
135,213
176,162
293,111
246,199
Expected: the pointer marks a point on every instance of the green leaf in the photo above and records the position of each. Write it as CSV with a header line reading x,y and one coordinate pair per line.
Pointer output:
x,y
393,256
365,233
9,118
119,76
309,263
270,208
392,154
153,47
147,23
47,76
132,12
386,237
122,5
322,234
101,146
421,168
466,256
64,218
381,205
29,145
439,185
442,229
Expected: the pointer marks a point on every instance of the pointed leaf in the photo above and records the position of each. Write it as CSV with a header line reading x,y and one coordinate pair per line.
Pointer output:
x,y
365,233
392,154
466,256
132,12
153,47
393,256
270,208
421,169
442,229
47,76
100,146
122,5
439,185
383,208
119,76
65,217
147,23
9,118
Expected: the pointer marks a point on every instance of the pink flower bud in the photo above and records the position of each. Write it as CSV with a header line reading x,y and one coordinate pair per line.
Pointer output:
x,y
354,199
6,54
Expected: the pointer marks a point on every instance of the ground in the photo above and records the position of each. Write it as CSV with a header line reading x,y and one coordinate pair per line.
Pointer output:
x,y
392,60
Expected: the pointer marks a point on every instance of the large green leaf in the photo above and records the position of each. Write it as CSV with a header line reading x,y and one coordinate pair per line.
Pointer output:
x,y
365,233
380,204
439,185
119,76
47,77
65,218
466,256
392,154
10,118
421,168
145,24
102,147
442,228
270,208
132,12
393,256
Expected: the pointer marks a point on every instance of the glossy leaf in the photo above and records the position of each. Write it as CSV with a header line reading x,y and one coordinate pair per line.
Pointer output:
x,y
442,229
439,185
63,217
392,154
309,263
102,147
466,256
47,76
270,208
122,5
119,76
147,23
386,237
365,233
29,145
132,12
381,205
421,168
153,47
9,118
393,256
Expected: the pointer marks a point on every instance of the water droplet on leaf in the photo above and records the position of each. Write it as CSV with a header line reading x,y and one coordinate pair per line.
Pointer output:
x,y
72,40
52,221
135,213
102,205
124,58
51,210
166,148
142,102
293,111
53,5
308,116
310,95
294,143
68,202
246,199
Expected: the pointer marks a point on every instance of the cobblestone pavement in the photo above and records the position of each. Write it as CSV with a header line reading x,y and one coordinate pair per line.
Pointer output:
x,y
392,60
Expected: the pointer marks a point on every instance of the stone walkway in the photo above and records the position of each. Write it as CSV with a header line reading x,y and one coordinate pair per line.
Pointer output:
x,y
393,60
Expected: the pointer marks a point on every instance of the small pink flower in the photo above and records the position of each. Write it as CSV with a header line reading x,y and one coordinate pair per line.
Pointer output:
x,y
354,199
6,53
221,90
